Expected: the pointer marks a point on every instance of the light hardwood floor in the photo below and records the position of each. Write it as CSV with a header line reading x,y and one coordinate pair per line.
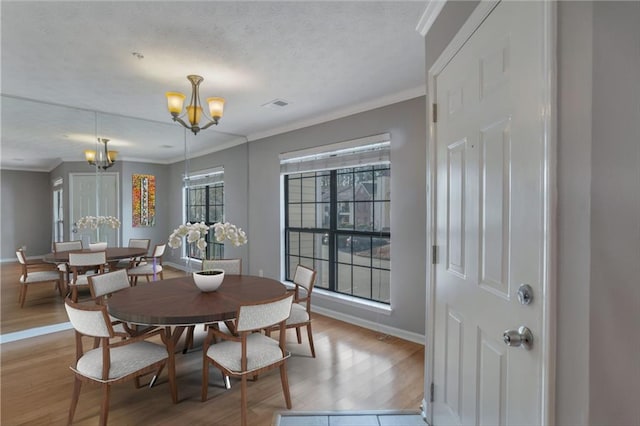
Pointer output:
x,y
355,369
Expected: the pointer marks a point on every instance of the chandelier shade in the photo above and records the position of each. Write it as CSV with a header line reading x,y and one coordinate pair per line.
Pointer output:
x,y
175,105
103,158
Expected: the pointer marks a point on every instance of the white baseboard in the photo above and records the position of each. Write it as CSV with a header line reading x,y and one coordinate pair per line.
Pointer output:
x,y
381,328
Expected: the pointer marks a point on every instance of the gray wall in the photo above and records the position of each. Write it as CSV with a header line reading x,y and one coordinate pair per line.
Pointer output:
x,y
406,123
24,197
614,317
157,233
234,160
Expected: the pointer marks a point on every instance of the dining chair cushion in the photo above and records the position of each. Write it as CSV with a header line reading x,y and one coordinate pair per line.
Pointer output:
x,y
261,351
39,276
298,315
124,360
83,279
304,277
147,269
109,283
88,322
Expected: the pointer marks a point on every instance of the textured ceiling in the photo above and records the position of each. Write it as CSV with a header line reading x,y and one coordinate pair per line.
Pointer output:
x,y
327,59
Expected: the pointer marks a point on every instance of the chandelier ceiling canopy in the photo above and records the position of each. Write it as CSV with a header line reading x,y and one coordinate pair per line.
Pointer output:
x,y
175,103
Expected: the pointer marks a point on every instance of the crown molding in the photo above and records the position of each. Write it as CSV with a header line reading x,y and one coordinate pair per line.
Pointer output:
x,y
434,7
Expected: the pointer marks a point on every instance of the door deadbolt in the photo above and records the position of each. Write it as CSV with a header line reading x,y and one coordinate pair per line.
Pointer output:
x,y
522,337
525,294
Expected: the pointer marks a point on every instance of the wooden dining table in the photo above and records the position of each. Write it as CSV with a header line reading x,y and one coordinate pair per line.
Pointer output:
x,y
177,303
113,254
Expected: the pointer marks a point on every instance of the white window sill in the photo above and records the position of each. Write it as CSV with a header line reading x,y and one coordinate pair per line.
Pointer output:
x,y
356,302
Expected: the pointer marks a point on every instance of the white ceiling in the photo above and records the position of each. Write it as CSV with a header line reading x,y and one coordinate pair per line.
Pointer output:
x,y
328,59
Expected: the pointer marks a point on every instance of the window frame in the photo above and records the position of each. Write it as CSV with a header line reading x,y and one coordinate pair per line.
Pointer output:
x,y
335,233
214,249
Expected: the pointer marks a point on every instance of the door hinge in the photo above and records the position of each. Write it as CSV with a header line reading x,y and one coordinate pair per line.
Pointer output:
x,y
434,108
434,255
432,392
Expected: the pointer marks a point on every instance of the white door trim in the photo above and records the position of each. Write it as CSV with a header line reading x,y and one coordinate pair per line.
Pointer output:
x,y
549,184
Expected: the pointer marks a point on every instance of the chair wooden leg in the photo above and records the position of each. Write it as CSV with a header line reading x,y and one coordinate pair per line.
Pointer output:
x,y
243,400
104,407
299,335
285,384
74,293
77,384
23,295
310,335
155,377
205,378
60,289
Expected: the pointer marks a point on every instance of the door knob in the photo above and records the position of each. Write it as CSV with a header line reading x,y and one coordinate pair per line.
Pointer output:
x,y
521,337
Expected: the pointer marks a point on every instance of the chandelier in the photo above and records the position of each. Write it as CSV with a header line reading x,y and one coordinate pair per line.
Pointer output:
x,y
175,102
103,159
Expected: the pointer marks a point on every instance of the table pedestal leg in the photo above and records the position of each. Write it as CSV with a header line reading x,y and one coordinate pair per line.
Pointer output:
x,y
170,339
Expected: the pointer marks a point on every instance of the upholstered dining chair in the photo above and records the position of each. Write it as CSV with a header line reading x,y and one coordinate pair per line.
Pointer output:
x,y
36,272
60,246
304,279
102,286
150,266
83,265
142,243
229,266
113,361
250,352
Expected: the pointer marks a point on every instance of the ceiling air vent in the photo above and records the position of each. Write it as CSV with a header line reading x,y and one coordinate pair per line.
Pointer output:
x,y
276,104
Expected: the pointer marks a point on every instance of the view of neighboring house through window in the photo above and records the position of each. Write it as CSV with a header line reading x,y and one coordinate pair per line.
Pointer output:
x,y
204,202
337,219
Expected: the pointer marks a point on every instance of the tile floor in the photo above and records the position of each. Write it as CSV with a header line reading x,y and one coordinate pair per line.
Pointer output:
x,y
339,418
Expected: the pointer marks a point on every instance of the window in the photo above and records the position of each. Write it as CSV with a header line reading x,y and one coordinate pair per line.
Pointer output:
x,y
337,220
205,203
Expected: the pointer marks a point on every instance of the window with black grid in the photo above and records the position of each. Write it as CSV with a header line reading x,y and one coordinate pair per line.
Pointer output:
x,y
205,203
337,221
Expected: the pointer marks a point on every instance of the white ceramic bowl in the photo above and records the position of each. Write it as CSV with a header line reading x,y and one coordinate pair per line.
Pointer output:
x,y
208,280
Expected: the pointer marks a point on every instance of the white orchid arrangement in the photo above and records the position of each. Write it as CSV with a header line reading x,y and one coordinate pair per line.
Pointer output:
x,y
196,232
94,222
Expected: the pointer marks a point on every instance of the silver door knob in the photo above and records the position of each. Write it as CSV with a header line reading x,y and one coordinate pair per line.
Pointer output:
x,y
521,337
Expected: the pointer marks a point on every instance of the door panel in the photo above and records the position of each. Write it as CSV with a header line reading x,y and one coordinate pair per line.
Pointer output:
x,y
94,195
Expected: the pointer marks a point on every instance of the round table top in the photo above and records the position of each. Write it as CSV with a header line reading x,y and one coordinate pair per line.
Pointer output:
x,y
113,253
177,301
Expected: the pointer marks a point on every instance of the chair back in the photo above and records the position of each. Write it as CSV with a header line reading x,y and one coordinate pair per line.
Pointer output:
x,y
59,246
140,243
22,257
89,320
88,258
158,250
105,284
264,314
305,278
229,266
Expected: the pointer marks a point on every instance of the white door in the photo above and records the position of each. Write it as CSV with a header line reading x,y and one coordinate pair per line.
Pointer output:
x,y
490,221
94,194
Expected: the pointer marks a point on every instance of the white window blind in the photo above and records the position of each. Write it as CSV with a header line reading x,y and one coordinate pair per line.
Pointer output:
x,y
205,177
358,152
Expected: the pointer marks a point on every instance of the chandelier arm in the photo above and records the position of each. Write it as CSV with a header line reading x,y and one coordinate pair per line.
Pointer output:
x,y
209,124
